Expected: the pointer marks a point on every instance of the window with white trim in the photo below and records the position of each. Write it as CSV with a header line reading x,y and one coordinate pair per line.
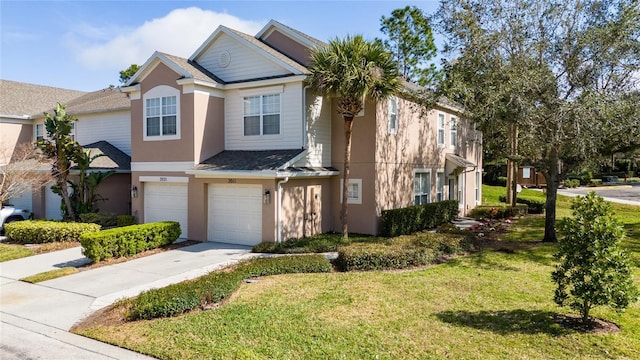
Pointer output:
x,y
393,115
39,132
72,133
454,132
422,187
440,185
354,191
161,114
441,129
262,115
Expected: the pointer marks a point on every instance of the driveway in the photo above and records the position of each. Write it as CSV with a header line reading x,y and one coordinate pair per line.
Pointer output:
x,y
625,194
36,317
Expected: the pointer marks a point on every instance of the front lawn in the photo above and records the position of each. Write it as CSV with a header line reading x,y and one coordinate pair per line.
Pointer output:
x,y
488,305
12,252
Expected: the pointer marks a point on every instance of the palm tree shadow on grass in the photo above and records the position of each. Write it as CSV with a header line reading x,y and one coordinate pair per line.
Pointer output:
x,y
505,322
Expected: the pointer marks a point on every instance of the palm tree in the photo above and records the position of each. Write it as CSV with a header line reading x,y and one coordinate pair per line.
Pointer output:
x,y
352,70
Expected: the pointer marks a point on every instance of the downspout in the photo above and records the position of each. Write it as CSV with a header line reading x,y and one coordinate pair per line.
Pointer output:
x,y
279,210
304,117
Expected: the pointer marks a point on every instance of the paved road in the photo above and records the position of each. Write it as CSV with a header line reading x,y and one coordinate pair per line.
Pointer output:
x,y
626,194
35,318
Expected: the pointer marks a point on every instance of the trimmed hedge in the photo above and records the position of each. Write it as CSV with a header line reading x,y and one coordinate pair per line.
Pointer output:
x,y
40,231
108,219
416,218
535,205
498,212
217,286
128,240
400,252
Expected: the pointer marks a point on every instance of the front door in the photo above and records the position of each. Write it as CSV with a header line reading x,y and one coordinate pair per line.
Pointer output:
x,y
452,188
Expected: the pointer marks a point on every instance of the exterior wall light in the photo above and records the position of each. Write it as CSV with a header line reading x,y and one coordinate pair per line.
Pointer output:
x,y
266,197
134,192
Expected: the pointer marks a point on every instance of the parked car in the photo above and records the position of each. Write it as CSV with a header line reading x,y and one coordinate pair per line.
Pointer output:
x,y
10,213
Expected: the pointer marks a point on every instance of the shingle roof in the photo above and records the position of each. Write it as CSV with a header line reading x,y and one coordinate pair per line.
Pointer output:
x,y
20,99
310,38
268,49
248,160
101,100
114,158
197,72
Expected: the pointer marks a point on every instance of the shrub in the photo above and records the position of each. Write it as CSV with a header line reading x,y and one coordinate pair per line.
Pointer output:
x,y
128,240
396,253
417,218
285,265
312,244
498,212
39,232
454,242
217,286
593,271
502,181
535,205
571,183
103,219
125,220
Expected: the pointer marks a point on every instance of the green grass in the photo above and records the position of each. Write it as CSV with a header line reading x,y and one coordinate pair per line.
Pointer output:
x,y
12,252
489,305
48,275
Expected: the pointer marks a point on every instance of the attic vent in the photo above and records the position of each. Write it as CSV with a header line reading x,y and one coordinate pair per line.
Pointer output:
x,y
224,59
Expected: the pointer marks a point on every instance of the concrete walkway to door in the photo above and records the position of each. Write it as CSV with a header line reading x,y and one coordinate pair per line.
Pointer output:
x,y
48,309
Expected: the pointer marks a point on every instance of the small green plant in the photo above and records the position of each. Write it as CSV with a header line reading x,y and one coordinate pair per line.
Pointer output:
x,y
49,275
593,270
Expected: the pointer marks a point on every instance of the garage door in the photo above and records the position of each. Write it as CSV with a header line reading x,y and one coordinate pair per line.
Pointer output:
x,y
24,201
166,201
235,214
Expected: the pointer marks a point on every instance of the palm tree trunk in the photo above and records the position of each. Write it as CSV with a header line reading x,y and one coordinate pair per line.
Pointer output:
x,y
348,124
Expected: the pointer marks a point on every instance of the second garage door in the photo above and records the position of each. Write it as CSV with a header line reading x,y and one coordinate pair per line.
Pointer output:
x,y
235,214
166,201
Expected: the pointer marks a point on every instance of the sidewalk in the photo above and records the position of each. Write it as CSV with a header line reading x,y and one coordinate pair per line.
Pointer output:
x,y
46,310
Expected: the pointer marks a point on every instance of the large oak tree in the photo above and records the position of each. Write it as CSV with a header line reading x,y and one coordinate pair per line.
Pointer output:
x,y
548,81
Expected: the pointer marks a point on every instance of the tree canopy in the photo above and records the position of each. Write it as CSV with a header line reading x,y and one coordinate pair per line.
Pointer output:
x,y
410,40
352,70
561,73
126,74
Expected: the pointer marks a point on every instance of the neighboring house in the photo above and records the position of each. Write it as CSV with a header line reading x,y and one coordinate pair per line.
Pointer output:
x,y
103,126
528,176
234,146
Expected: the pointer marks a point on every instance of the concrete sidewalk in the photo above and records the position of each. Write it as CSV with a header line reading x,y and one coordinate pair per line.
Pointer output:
x,y
58,304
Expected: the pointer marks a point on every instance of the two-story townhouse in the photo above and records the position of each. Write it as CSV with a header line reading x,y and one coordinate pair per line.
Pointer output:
x,y
234,146
103,127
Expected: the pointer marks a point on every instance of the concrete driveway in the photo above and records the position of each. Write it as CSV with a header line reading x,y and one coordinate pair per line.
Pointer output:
x,y
35,318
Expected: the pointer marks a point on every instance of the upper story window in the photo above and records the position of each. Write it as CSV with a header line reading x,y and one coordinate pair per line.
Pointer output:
x,y
162,113
454,132
393,115
262,115
440,129
422,187
39,132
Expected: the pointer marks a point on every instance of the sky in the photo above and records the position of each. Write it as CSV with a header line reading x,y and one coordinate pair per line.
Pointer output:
x,y
83,45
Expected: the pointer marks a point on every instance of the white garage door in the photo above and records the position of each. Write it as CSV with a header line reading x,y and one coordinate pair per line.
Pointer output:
x,y
235,214
24,201
52,202
166,202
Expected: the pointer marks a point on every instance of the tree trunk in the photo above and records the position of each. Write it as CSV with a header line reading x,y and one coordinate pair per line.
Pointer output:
x,y
512,165
348,123
553,181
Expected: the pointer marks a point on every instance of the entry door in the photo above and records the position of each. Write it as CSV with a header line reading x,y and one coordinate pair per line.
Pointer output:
x,y
452,188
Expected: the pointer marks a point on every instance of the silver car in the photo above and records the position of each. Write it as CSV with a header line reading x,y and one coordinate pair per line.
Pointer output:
x,y
10,213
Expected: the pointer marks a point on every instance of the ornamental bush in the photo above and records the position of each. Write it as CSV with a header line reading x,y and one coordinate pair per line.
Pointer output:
x,y
128,240
40,231
534,205
416,218
498,212
592,269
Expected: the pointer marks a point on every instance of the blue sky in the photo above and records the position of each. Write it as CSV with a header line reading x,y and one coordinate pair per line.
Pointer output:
x,y
82,45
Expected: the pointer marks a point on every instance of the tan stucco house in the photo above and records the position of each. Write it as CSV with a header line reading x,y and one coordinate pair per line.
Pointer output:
x,y
233,145
103,127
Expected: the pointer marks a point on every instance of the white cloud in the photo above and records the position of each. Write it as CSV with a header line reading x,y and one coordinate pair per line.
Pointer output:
x,y
179,33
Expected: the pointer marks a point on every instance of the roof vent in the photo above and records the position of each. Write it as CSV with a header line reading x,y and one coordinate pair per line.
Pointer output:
x,y
224,58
